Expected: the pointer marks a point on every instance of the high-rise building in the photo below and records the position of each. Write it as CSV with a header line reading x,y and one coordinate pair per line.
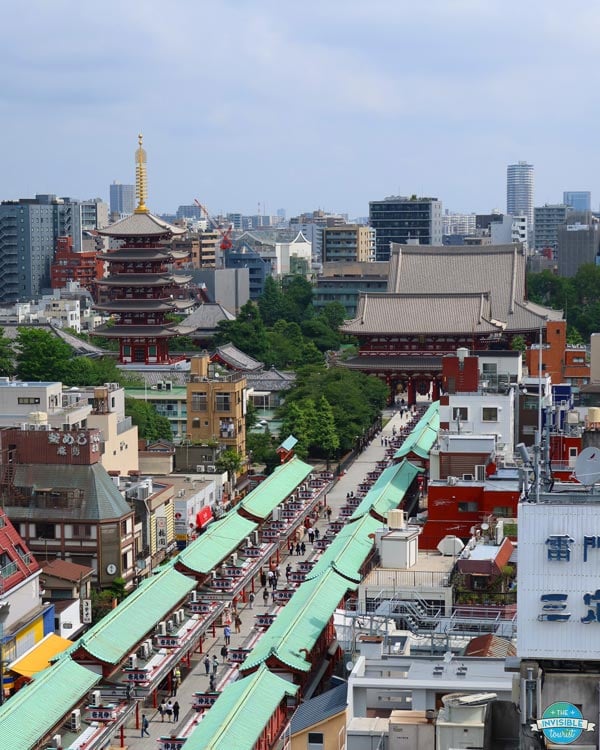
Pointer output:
x,y
453,223
29,228
578,200
519,190
578,243
350,242
122,199
405,220
548,218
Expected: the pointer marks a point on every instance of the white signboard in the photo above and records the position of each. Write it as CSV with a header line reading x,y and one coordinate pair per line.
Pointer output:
x,y
86,611
161,532
558,595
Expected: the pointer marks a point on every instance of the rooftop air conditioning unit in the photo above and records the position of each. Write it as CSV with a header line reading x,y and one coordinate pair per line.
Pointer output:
x,y
144,650
468,477
200,469
211,468
255,538
181,493
56,741
96,698
480,472
452,481
180,615
161,628
170,624
248,542
132,661
234,559
75,720
194,596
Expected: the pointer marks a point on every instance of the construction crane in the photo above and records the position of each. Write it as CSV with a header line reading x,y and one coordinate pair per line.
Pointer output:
x,y
226,243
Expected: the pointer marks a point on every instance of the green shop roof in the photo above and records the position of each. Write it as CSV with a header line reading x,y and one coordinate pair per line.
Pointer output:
x,y
219,540
388,491
240,713
119,632
349,549
273,491
422,438
38,707
292,631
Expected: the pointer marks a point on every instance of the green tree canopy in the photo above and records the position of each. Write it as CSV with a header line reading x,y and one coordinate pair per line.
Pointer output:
x,y
151,425
247,332
40,355
7,355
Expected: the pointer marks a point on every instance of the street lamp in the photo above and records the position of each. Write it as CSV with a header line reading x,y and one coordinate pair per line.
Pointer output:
x,y
4,610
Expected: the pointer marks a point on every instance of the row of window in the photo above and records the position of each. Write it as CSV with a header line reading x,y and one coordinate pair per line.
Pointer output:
x,y
488,413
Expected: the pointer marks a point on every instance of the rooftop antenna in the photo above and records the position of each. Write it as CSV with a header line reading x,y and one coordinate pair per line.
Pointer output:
x,y
141,178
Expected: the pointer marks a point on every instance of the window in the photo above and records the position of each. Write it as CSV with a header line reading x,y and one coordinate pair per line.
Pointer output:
x,y
223,402
315,741
470,507
82,531
199,402
489,414
196,423
460,413
45,531
502,511
28,400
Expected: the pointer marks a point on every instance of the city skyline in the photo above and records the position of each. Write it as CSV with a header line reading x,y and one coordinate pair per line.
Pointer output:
x,y
244,104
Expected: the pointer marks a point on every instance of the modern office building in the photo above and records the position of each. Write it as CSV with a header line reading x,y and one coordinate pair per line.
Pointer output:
x,y
519,190
122,199
547,220
578,244
189,212
455,223
29,228
405,220
578,200
349,243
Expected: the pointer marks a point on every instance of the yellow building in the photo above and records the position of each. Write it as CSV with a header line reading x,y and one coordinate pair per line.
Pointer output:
x,y
320,722
216,406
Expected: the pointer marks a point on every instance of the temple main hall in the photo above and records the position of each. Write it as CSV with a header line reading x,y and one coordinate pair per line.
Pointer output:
x,y
437,300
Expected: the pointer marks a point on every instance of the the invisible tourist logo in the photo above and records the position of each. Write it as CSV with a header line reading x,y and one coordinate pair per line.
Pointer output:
x,y
562,723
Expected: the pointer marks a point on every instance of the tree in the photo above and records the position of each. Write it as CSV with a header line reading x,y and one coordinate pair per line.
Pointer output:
x,y
298,295
151,425
247,332
271,304
231,462
335,314
326,438
7,355
40,355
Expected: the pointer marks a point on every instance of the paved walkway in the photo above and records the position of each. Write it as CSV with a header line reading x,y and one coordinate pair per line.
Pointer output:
x,y
196,680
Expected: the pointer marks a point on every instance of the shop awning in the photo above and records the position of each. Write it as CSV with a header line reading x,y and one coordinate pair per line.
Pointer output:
x,y
38,657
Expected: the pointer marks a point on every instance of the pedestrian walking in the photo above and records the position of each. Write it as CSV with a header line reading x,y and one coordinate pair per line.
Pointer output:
x,y
303,548
266,596
317,533
169,711
263,578
145,724
224,652
161,710
215,664
297,548
176,711
227,634
237,622
270,576
207,664
328,511
251,600
311,536
288,572
212,683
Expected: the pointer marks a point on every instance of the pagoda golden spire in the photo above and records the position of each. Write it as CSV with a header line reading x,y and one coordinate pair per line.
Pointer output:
x,y
141,178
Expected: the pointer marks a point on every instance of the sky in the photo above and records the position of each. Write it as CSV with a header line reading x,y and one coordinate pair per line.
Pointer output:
x,y
300,105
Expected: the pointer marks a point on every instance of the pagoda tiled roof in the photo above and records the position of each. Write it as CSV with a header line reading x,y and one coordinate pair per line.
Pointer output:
x,y
144,305
377,361
206,317
141,225
447,289
149,331
141,255
143,279
237,359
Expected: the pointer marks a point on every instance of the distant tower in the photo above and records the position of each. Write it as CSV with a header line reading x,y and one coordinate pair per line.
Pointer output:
x,y
122,199
140,290
578,200
519,190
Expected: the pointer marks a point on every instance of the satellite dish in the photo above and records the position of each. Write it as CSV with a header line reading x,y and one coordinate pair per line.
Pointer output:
x,y
485,526
349,666
587,466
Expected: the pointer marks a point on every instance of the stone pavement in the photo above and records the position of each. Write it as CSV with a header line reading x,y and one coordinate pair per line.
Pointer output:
x,y
195,679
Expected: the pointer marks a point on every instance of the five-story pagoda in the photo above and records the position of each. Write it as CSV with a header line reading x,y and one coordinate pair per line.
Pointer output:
x,y
140,289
